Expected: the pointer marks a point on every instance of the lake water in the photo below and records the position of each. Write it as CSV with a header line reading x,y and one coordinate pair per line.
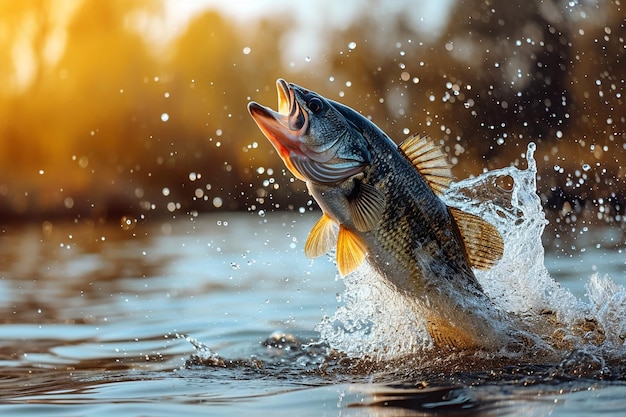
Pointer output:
x,y
215,315
222,314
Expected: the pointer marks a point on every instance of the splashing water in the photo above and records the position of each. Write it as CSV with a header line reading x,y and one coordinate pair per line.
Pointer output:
x,y
204,354
379,322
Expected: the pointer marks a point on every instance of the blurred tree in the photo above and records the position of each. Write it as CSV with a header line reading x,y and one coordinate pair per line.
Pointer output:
x,y
99,121
74,122
501,75
215,68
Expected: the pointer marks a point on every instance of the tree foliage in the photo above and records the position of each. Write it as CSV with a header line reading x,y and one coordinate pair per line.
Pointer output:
x,y
100,120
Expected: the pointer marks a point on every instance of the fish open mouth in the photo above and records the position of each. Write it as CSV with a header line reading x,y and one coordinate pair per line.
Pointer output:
x,y
284,127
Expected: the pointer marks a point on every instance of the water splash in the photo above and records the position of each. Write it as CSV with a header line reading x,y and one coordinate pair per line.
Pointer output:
x,y
204,354
520,282
376,321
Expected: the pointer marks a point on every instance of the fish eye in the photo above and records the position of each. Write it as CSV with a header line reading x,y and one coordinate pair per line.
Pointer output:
x,y
315,105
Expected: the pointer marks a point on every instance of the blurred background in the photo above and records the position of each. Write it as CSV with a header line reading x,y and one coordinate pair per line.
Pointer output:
x,y
127,110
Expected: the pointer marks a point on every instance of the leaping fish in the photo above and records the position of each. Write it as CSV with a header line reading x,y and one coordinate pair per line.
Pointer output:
x,y
381,204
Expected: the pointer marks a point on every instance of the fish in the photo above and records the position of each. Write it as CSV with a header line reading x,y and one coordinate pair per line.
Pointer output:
x,y
381,204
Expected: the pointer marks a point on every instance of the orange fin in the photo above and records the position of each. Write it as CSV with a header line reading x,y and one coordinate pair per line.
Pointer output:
x,y
321,238
483,243
430,160
351,251
367,208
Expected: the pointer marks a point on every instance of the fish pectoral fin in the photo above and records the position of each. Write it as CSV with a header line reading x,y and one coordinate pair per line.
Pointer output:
x,y
483,243
430,160
322,237
351,251
367,207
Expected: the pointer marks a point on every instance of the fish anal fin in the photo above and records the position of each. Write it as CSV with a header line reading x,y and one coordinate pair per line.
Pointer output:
x,y
351,251
322,237
367,207
430,160
483,243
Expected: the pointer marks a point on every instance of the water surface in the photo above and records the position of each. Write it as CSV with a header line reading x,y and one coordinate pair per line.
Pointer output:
x,y
215,315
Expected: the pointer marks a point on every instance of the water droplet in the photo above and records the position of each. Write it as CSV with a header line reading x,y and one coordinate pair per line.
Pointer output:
x,y
165,117
352,45
128,222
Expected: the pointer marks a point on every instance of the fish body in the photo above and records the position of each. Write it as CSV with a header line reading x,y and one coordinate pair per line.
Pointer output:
x,y
381,205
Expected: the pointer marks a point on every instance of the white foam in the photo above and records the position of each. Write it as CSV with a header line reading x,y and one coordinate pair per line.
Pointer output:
x,y
608,303
375,320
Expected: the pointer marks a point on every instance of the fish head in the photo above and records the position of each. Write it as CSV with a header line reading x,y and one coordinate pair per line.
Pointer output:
x,y
315,141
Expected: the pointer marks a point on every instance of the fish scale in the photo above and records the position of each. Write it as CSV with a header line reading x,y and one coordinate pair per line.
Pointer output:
x,y
425,224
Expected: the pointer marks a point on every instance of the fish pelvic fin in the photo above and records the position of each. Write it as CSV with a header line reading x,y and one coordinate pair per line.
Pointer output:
x,y
367,207
483,243
351,251
430,160
322,237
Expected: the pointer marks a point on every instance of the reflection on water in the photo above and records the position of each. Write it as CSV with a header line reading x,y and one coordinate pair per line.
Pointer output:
x,y
94,319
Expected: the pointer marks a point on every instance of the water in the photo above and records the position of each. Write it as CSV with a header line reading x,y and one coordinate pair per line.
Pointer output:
x,y
221,314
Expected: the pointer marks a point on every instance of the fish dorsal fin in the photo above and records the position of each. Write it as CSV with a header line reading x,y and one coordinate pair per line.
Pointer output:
x,y
322,237
483,242
430,160
367,207
351,251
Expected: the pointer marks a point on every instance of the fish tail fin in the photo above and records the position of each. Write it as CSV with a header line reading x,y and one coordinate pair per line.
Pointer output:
x,y
447,336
